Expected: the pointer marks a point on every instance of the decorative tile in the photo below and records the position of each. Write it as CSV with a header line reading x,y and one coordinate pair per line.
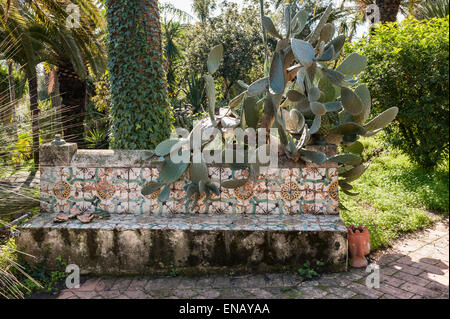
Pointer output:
x,y
107,189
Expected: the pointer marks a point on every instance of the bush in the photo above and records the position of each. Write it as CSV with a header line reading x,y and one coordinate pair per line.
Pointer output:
x,y
408,68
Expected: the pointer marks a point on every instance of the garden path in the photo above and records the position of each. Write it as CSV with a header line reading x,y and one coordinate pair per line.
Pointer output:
x,y
416,267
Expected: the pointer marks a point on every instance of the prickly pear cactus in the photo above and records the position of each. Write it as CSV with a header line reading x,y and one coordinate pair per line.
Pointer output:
x,y
303,95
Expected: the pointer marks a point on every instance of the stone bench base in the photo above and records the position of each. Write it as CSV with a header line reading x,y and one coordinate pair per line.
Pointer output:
x,y
137,244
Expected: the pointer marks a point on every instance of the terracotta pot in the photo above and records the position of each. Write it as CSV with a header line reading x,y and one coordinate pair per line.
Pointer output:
x,y
358,245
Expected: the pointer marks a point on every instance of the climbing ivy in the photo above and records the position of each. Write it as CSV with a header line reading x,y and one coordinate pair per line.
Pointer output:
x,y
141,115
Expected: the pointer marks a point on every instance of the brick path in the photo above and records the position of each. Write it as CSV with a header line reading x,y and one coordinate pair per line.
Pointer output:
x,y
415,268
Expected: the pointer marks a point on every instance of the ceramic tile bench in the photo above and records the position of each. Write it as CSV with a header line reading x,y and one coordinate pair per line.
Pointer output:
x,y
289,216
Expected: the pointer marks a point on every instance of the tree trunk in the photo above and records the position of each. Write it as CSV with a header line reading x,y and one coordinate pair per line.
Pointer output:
x,y
33,92
388,10
12,98
53,90
73,95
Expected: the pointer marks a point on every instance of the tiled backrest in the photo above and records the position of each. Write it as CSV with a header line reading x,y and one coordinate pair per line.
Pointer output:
x,y
111,181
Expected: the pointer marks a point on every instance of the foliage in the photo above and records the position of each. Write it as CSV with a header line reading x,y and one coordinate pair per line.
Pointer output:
x,y
431,9
102,97
141,117
19,85
395,195
320,107
309,271
397,56
239,33
11,272
44,279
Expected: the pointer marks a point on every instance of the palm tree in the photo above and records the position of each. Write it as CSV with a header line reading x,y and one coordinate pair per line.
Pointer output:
x,y
203,8
38,38
73,51
431,9
26,52
171,30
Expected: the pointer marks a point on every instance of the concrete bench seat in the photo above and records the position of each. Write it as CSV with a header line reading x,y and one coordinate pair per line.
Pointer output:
x,y
137,244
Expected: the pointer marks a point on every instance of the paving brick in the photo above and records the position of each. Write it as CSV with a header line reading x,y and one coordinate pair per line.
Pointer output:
x,y
408,269
410,278
419,290
65,295
137,294
89,285
429,268
138,283
427,277
361,289
398,293
121,284
395,282
341,292
388,271
443,289
86,294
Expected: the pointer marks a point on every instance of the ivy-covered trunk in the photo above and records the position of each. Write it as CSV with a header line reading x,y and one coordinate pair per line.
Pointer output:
x,y
73,94
388,10
141,116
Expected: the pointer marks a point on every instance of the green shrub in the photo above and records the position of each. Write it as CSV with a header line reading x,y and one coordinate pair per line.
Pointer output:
x,y
408,68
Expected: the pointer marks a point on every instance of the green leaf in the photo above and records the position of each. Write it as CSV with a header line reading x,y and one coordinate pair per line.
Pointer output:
x,y
151,187
303,52
313,156
355,148
236,101
165,193
351,102
234,183
337,43
314,36
363,93
167,146
318,108
315,127
382,119
211,94
213,188
353,64
258,87
276,78
344,185
299,21
294,96
327,32
349,128
335,77
171,171
313,94
251,112
295,121
328,54
191,190
198,172
287,19
335,106
354,173
270,27
351,159
214,58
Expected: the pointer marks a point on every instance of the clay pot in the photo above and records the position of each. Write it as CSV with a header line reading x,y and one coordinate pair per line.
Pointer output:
x,y
358,245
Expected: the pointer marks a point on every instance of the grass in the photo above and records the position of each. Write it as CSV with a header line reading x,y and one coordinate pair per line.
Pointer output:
x,y
395,195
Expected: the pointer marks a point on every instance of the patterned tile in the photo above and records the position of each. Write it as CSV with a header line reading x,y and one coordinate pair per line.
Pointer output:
x,y
107,189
